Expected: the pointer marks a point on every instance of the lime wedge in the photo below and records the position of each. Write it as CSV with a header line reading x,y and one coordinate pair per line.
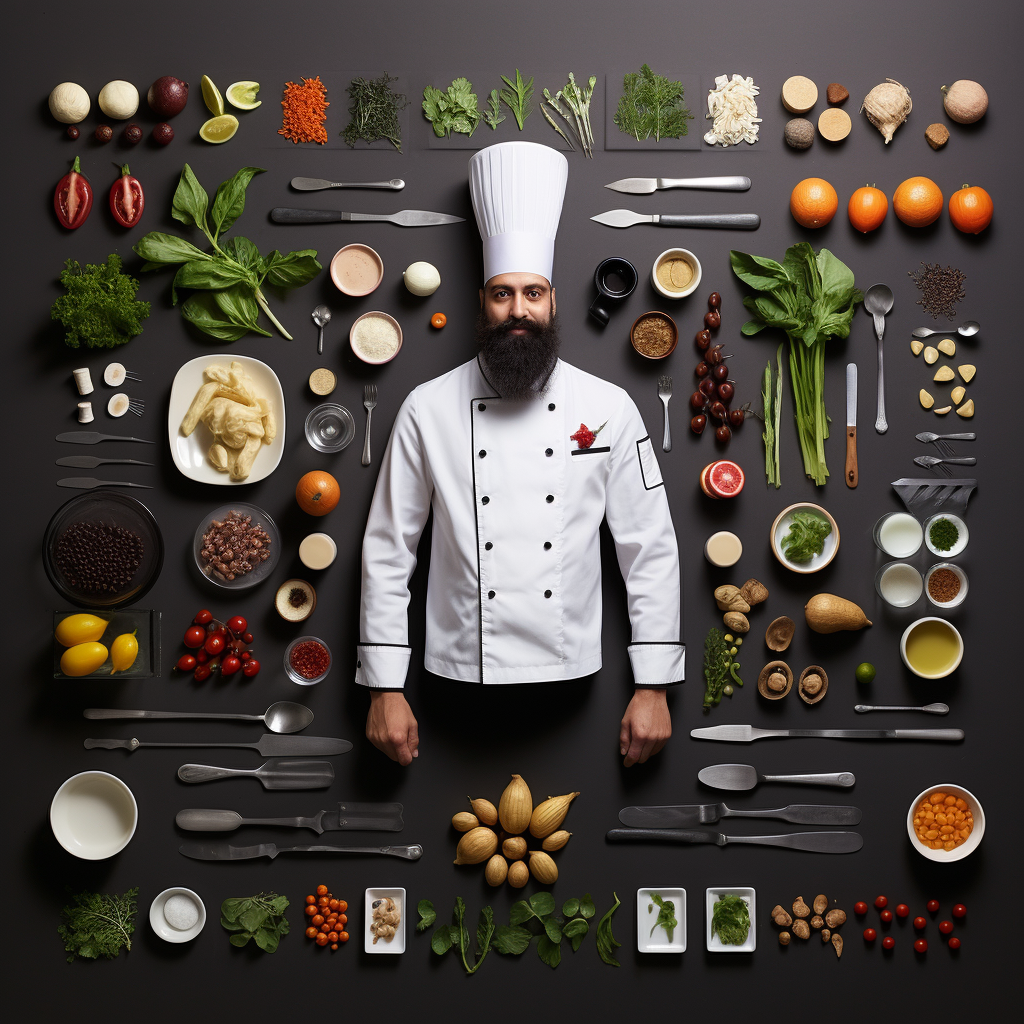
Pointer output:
x,y
212,97
219,129
243,95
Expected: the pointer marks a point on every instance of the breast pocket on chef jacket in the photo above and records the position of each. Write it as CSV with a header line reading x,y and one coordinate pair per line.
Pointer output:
x,y
649,468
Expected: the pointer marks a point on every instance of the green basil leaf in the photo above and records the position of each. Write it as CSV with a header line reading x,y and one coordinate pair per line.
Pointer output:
x,y
441,940
550,952
587,908
520,912
570,908
160,249
428,915
542,903
190,200
293,269
229,202
552,929
758,271
209,274
252,919
511,939
238,305
201,310
243,251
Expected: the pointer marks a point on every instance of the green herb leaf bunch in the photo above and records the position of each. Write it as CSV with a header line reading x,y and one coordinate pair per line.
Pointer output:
x,y
227,282
96,925
652,105
572,104
373,112
260,918
719,667
730,919
100,309
516,96
805,537
666,914
454,110
606,942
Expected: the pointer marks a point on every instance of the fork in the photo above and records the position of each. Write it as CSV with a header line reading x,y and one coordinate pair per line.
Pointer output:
x,y
369,403
932,462
941,441
665,393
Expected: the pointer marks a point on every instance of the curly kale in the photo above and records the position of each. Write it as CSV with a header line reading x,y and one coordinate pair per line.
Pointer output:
x,y
96,925
100,309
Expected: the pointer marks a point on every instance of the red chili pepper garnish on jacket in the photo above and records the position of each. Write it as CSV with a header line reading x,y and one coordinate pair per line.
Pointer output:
x,y
126,199
72,199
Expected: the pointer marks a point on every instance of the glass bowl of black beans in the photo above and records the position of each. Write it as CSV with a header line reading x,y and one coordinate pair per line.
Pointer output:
x,y
236,546
103,550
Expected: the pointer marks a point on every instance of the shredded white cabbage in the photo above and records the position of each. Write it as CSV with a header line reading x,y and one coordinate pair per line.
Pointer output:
x,y
732,111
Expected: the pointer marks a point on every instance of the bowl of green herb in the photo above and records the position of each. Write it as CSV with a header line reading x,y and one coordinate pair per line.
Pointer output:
x,y
804,537
945,535
731,913
661,919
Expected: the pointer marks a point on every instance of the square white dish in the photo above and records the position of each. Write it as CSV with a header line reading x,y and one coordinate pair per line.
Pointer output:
x,y
645,921
715,944
189,453
397,942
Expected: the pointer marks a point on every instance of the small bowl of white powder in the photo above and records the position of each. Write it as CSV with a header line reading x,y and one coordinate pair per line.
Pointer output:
x,y
375,337
177,915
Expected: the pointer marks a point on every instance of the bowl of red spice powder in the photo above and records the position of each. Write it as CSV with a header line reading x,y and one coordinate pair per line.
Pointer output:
x,y
307,660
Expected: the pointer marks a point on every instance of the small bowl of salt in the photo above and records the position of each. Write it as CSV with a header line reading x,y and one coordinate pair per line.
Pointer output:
x,y
177,915
375,337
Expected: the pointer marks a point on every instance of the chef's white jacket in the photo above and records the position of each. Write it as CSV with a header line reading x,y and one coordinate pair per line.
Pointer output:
x,y
514,589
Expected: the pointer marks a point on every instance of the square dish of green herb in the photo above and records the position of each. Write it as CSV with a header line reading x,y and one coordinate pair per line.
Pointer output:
x,y
731,919
661,919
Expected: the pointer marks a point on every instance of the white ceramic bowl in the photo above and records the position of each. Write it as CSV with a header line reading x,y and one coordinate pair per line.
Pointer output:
x,y
93,815
912,627
966,848
961,541
164,928
683,254
362,355
960,575
396,944
658,942
714,943
781,527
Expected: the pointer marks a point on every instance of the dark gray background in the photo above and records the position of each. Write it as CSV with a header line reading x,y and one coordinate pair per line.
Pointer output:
x,y
560,737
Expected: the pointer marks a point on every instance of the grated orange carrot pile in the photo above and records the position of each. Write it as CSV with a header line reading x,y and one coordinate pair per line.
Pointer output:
x,y
305,111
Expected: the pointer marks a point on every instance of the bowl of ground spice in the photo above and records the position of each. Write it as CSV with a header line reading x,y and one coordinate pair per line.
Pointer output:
x,y
676,273
654,335
375,337
945,535
307,660
946,585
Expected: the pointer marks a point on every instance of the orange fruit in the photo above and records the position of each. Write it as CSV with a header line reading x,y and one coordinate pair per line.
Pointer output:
x,y
917,202
317,493
970,209
867,208
813,202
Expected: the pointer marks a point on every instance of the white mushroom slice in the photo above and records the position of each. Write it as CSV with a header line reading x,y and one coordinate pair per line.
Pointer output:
x,y
931,354
943,373
118,404
967,372
967,409
947,347
943,410
957,394
925,399
114,374
917,347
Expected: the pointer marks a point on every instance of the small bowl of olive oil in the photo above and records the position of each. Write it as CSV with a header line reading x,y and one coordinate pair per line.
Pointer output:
x,y
931,648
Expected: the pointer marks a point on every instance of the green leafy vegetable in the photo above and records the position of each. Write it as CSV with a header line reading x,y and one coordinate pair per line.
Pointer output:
x,y
652,105
771,395
452,111
493,115
260,918
719,668
512,939
373,112
811,297
96,925
516,96
228,281
427,915
806,536
730,919
606,944
572,104
666,914
100,309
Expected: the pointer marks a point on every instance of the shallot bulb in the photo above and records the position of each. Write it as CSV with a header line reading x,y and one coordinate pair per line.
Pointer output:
x,y
887,106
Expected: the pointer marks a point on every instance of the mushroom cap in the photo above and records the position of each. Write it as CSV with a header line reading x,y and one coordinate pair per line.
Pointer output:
x,y
779,634
809,696
772,668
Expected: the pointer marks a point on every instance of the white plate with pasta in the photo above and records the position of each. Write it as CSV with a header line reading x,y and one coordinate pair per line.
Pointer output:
x,y
384,914
226,420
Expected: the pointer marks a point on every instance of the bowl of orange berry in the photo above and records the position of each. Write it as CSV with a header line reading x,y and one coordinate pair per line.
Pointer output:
x,y
326,918
945,823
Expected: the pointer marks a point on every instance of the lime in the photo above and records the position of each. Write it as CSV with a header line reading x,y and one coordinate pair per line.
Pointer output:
x,y
219,129
212,97
865,672
243,95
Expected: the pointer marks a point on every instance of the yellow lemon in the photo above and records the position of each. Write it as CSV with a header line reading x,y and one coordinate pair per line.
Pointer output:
x,y
123,652
79,629
212,97
219,129
83,659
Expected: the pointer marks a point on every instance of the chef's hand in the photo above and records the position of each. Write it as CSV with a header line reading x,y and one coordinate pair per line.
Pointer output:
x,y
646,726
391,726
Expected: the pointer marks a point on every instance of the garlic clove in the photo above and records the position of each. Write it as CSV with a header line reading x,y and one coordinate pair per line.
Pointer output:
x,y
967,409
967,372
925,399
957,394
943,410
943,373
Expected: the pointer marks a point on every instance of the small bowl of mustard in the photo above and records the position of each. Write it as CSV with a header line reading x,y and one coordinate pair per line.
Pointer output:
x,y
676,273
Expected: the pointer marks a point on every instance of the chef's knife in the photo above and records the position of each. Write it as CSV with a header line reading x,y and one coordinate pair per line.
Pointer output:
x,y
314,184
747,734
94,437
89,483
269,745
92,462
851,424
404,218
813,842
225,851
381,817
627,218
645,186
686,815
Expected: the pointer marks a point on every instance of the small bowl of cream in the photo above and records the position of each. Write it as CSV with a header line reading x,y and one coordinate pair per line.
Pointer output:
x,y
177,915
676,273
375,337
356,269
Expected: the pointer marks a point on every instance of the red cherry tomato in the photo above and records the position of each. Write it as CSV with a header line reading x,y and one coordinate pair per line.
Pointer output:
x,y
186,663
933,906
237,624
250,668
954,943
945,927
321,939
919,923
888,942
202,672
902,910
126,199
921,946
202,657
870,935
230,665
886,916
880,902
860,908
214,644
959,910
194,636
72,198
247,638
203,617
312,910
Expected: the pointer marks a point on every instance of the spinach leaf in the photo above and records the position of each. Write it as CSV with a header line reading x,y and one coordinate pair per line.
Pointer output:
x,y
759,272
550,952
229,202
666,914
730,919
552,928
575,931
587,908
806,537
521,912
190,201
441,940
570,908
259,918
606,942
542,903
428,915
511,939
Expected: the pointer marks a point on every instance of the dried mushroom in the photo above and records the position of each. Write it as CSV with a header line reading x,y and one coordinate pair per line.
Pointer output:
x,y
801,929
835,918
781,916
754,592
779,634
825,935
784,938
820,904
730,599
736,622
817,922
800,909
812,685
775,680
837,941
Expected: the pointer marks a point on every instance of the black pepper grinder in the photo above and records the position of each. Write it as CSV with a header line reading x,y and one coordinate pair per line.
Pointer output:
x,y
615,279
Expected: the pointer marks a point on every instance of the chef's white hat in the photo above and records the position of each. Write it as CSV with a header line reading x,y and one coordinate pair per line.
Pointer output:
x,y
517,190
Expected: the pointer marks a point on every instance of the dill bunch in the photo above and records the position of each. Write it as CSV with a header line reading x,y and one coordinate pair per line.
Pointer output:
x,y
373,113
652,105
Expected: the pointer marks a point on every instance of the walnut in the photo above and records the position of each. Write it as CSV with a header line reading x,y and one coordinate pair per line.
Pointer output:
x,y
817,921
754,592
801,929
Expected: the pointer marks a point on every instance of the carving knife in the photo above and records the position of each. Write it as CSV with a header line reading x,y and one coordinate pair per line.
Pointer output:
x,y
645,186
627,218
404,218
812,842
380,817
225,851
314,184
269,745
747,734
687,815
851,424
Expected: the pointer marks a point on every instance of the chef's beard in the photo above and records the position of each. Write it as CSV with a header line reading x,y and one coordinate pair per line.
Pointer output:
x,y
518,364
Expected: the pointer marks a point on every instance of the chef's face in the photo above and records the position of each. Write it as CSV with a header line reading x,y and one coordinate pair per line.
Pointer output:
x,y
512,297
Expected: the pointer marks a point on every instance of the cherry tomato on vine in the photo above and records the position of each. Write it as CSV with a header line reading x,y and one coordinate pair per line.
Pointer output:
x,y
214,644
250,668
195,636
203,617
186,663
237,624
202,672
247,638
230,665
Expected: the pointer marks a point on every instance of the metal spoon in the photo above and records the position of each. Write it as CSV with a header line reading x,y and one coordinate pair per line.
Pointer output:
x,y
966,330
878,300
321,317
282,717
931,709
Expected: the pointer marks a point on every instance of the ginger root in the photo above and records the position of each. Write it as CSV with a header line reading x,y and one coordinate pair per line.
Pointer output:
x,y
729,599
820,904
834,918
800,909
754,592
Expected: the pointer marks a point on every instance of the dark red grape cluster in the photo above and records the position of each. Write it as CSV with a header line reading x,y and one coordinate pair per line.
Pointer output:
x,y
714,388
215,645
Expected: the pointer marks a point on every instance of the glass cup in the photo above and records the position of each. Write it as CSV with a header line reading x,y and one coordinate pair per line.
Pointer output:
x,y
899,584
898,534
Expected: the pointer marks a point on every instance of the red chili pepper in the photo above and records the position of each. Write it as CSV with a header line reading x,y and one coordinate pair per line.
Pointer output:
x,y
72,199
126,199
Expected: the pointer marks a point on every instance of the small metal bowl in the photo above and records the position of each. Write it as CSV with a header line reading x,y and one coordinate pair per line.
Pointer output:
x,y
257,575
657,315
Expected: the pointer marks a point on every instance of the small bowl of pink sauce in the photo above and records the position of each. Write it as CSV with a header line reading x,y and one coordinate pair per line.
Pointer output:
x,y
356,269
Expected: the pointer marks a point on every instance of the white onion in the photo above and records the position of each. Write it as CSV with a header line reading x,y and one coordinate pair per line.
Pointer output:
x,y
69,103
119,99
422,278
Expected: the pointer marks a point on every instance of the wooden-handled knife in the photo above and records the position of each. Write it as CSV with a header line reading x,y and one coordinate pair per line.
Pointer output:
x,y
851,424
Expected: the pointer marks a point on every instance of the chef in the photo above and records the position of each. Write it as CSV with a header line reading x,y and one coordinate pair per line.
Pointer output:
x,y
520,456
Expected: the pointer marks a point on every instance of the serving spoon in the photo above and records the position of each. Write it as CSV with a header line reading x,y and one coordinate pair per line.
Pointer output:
x,y
878,300
282,717
321,317
931,709
966,330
